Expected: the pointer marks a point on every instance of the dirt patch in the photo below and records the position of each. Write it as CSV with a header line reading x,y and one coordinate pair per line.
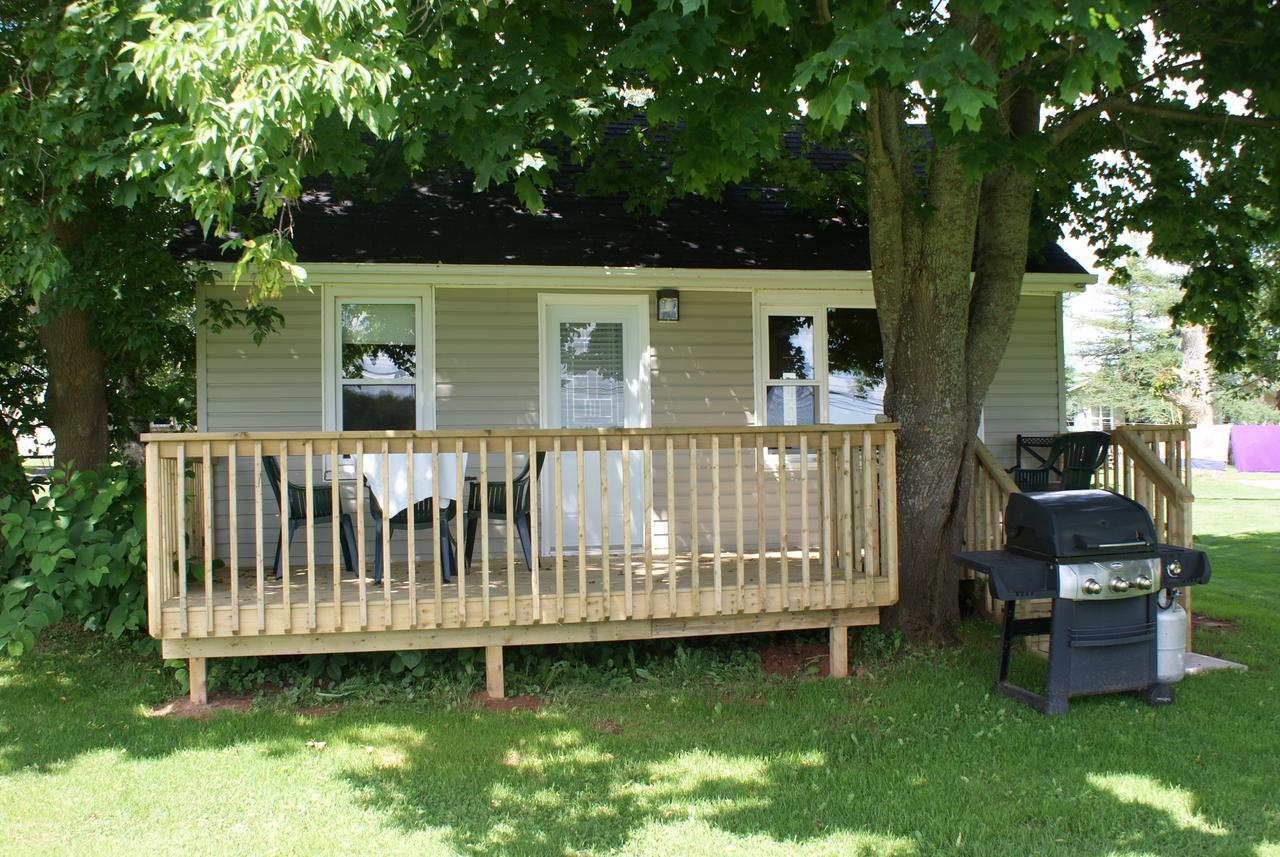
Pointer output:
x,y
1208,623
509,703
183,708
790,661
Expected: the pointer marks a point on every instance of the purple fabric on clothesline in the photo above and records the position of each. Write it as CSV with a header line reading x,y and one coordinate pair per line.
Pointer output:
x,y
1256,449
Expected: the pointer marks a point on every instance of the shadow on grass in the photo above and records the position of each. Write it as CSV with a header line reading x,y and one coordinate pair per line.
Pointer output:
x,y
915,757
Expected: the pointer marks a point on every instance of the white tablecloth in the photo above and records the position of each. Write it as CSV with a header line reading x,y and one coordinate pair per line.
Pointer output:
x,y
396,480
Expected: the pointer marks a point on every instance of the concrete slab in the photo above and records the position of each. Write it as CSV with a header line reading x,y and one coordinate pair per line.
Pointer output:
x,y
1196,664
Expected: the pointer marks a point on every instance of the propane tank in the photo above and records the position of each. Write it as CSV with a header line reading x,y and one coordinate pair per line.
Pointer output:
x,y
1171,638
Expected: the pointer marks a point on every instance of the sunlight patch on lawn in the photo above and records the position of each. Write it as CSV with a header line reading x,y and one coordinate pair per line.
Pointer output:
x,y
694,838
1178,804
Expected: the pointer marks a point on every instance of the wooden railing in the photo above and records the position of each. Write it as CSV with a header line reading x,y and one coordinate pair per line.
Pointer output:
x,y
705,522
1171,444
1152,465
989,492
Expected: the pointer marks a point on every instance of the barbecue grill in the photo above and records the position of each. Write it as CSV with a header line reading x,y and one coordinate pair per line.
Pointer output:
x,y
1096,555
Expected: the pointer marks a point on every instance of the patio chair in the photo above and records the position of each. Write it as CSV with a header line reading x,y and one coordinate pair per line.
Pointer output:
x,y
323,502
422,520
1082,453
497,507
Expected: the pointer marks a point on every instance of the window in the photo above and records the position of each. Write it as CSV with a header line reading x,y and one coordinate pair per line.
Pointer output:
x,y
821,362
378,364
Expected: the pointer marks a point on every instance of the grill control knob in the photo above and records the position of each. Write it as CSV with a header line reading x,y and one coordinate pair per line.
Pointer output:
x,y
1142,582
1174,569
1119,584
1092,587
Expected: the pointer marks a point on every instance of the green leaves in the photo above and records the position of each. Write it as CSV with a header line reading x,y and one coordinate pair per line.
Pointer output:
x,y
76,550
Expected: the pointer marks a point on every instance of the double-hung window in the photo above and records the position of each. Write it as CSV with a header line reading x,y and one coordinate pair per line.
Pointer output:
x,y
818,361
379,364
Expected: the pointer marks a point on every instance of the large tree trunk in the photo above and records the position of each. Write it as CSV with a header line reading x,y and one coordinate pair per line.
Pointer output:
x,y
1196,396
947,281
76,399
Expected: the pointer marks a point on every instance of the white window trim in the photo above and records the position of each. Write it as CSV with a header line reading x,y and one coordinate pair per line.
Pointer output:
x,y
812,303
424,298
546,385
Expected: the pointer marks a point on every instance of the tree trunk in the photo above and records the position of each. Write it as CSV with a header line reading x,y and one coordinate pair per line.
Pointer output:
x,y
947,282
76,399
1196,399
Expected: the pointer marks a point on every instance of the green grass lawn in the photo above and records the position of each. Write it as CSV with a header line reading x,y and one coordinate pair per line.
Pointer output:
x,y
913,756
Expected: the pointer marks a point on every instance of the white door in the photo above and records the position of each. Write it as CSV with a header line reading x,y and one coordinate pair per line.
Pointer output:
x,y
595,374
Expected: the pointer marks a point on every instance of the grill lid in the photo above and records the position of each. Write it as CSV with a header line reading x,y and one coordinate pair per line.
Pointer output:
x,y
1066,524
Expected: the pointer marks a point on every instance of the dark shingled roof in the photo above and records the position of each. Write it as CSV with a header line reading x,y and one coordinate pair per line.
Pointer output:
x,y
444,221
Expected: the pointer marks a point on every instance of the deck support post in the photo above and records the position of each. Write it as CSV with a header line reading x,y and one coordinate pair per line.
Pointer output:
x,y
493,683
839,651
198,680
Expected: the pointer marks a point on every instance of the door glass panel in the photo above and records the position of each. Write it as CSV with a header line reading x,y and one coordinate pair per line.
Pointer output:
x,y
593,391
370,407
855,366
379,342
791,347
791,405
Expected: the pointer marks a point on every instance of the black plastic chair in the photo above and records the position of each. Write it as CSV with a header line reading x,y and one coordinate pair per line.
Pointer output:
x,y
422,520
1082,453
323,502
497,506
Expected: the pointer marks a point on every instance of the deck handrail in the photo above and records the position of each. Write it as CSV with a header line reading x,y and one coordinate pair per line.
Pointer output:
x,y
743,520
989,492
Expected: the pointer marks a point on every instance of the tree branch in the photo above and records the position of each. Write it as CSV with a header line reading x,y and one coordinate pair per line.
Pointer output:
x,y
1123,104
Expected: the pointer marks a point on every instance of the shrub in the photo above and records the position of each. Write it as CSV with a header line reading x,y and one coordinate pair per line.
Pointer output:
x,y
77,550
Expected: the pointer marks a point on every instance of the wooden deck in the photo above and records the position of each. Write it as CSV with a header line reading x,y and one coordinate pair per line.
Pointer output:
x,y
729,536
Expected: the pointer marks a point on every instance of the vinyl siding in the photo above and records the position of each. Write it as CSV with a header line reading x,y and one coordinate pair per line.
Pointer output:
x,y
1026,395
486,366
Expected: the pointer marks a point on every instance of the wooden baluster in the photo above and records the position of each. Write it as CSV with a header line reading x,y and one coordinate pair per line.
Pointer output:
x,y
260,583
606,582
411,534
460,569
718,583
762,541
437,533
824,478
509,490
308,464
206,489
672,577
286,569
889,498
581,479
695,541
484,527
870,509
647,489
558,496
361,549
628,600
535,542
783,547
846,514
739,523
805,598
233,537
385,547
183,626
335,497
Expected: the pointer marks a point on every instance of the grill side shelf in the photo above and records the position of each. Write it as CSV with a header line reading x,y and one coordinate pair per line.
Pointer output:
x,y
1012,577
